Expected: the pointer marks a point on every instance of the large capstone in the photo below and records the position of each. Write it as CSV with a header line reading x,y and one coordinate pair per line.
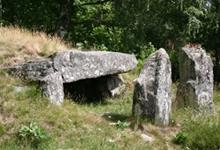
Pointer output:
x,y
196,79
152,93
92,74
77,65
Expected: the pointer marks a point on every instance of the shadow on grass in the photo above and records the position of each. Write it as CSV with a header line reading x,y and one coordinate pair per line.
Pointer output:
x,y
114,117
89,103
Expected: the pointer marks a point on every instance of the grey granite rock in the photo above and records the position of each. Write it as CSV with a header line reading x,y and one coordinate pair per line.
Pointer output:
x,y
196,79
52,86
71,66
115,85
78,65
152,93
32,70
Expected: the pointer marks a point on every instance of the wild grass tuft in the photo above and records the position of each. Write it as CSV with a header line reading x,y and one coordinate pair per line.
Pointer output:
x,y
18,45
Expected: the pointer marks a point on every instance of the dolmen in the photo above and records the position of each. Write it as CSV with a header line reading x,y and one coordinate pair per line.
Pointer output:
x,y
196,79
152,92
96,72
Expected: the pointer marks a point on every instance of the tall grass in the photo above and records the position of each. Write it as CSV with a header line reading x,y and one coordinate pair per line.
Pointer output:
x,y
17,45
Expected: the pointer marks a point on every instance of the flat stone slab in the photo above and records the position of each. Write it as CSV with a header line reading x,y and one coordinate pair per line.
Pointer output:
x,y
78,65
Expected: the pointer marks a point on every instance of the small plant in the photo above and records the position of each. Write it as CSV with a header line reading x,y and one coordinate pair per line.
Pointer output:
x,y
180,138
146,51
2,129
122,125
32,134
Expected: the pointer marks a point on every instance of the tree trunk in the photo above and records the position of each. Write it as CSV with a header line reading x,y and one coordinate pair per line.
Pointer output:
x,y
1,10
65,23
217,67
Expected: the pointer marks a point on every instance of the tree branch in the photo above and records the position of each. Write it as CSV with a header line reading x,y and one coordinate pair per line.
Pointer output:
x,y
95,3
95,22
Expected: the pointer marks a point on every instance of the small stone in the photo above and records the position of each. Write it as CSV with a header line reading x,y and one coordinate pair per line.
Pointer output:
x,y
147,138
19,89
115,85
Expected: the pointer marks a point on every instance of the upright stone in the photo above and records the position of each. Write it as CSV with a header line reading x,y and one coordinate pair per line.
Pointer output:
x,y
152,93
52,86
196,79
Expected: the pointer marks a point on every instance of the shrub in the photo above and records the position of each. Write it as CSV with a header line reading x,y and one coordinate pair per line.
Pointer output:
x,y
32,134
146,51
180,138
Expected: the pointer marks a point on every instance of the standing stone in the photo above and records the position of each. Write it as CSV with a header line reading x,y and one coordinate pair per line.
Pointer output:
x,y
196,79
152,93
52,86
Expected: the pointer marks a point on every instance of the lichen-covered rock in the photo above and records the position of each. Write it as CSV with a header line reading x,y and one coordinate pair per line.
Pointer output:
x,y
32,70
152,93
77,65
72,66
52,86
196,79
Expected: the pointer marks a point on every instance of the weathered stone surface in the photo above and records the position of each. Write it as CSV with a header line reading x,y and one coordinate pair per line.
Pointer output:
x,y
95,72
77,65
152,93
52,86
115,85
196,79
32,70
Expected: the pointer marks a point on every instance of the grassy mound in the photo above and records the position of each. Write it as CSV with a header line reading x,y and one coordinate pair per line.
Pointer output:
x,y
17,45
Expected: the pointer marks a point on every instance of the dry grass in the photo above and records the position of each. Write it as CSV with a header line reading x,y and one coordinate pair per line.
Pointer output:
x,y
17,45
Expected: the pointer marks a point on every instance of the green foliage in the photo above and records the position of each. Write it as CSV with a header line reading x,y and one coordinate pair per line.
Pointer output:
x,y
180,138
200,134
2,129
32,134
144,52
122,125
122,25
173,54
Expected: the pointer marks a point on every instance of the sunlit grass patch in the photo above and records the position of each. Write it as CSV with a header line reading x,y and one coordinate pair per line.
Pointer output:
x,y
18,45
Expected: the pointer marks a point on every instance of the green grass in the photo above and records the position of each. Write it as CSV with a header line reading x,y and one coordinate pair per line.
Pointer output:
x,y
100,125
76,126
199,132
